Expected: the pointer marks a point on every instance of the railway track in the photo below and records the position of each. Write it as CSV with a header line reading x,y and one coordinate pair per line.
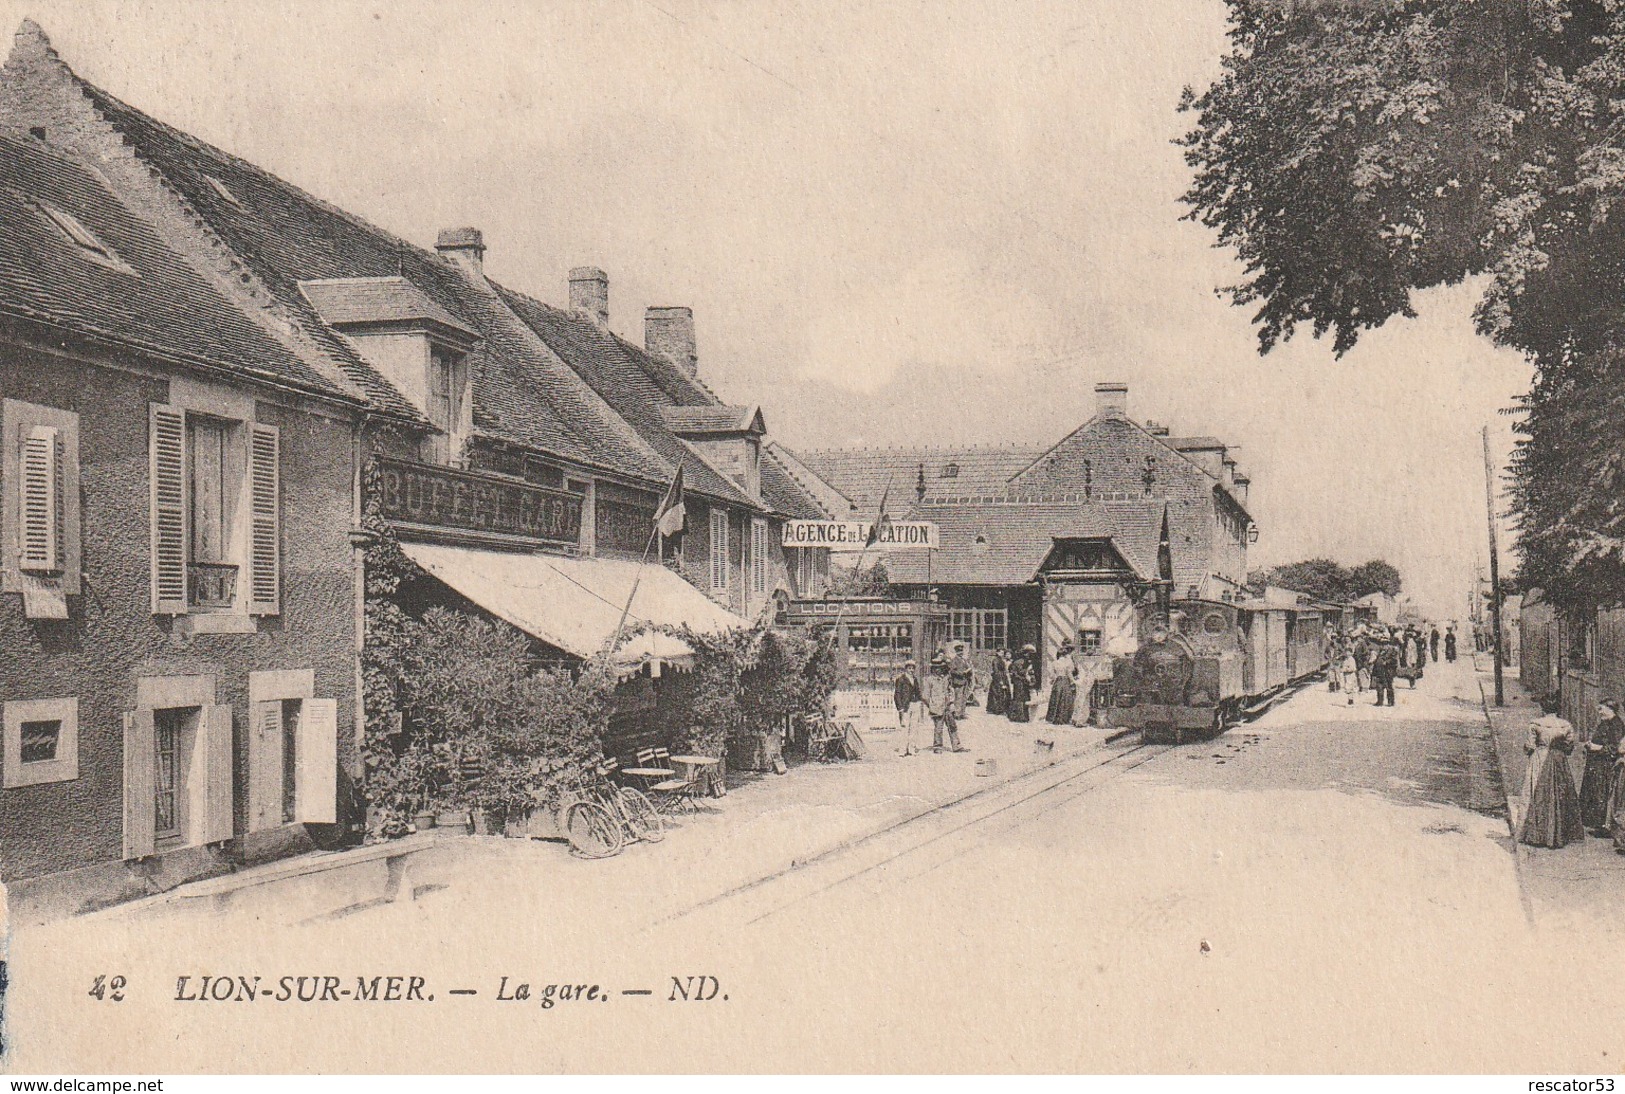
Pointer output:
x,y
923,842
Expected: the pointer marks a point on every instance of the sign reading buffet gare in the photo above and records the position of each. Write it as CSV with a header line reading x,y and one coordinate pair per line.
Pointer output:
x,y
468,501
854,534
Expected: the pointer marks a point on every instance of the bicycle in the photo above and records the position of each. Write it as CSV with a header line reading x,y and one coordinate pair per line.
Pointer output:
x,y
603,817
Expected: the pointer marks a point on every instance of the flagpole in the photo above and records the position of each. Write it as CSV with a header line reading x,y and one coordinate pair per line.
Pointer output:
x,y
857,567
672,500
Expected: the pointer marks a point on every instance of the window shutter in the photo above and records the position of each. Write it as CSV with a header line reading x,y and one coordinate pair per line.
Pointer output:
x,y
211,776
41,503
140,835
316,793
265,540
265,765
167,442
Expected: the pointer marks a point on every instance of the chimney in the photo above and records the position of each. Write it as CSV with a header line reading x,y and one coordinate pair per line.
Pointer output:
x,y
464,246
1111,400
589,293
1240,487
669,333
1156,429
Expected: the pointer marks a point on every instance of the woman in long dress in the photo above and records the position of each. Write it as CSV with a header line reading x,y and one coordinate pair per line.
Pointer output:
x,y
1063,689
1021,685
1552,816
998,688
1601,751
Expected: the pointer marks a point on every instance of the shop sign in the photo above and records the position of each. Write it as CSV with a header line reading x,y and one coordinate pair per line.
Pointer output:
x,y
853,534
466,501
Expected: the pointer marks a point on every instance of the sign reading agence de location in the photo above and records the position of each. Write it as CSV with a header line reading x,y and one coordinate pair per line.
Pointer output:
x,y
853,534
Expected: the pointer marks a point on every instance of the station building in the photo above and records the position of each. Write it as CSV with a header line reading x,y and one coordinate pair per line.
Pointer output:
x,y
1046,546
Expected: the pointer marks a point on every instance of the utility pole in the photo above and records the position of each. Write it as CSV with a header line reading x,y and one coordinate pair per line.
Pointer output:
x,y
1495,568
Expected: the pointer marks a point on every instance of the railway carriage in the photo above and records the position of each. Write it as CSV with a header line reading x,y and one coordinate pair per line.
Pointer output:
x,y
1198,673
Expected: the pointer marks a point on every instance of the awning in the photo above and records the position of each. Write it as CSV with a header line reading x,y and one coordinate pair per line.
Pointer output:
x,y
575,603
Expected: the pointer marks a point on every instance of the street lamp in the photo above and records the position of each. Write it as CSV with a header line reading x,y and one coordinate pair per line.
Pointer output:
x,y
1252,533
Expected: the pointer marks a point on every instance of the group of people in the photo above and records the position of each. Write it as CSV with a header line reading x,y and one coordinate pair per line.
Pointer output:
x,y
945,690
1373,656
943,693
1556,814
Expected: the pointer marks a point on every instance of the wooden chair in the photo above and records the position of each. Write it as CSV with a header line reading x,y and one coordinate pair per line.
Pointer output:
x,y
674,792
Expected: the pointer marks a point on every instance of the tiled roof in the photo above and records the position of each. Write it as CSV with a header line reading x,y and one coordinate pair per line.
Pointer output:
x,y
619,373
357,300
1192,444
786,493
830,503
863,474
522,393
156,301
695,420
1015,538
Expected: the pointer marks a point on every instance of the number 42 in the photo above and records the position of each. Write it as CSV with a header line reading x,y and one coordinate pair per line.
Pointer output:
x,y
108,989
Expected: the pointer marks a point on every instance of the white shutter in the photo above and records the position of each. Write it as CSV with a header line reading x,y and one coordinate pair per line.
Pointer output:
x,y
265,765
316,754
41,503
211,781
140,833
167,449
719,549
265,536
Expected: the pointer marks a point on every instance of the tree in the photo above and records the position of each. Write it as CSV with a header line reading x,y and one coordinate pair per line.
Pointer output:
x,y
1375,576
859,581
1325,579
1355,151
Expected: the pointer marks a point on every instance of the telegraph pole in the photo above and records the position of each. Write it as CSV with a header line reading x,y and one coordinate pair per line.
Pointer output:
x,y
1495,568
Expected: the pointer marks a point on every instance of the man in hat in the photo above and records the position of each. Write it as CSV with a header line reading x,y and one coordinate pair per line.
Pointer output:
x,y
906,694
960,676
939,701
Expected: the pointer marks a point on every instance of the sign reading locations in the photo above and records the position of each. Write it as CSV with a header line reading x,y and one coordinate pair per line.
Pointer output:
x,y
442,497
853,534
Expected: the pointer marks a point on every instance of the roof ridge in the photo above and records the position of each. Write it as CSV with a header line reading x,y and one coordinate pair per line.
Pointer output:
x,y
310,337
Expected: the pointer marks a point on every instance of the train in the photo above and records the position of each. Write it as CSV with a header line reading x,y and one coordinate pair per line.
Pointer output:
x,y
1201,665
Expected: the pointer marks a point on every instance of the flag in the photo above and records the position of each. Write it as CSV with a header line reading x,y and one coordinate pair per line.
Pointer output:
x,y
672,516
882,522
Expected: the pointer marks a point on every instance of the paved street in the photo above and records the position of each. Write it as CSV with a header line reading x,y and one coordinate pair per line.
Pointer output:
x,y
1331,887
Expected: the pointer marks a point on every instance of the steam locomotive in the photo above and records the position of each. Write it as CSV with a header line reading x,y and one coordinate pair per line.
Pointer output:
x,y
1203,664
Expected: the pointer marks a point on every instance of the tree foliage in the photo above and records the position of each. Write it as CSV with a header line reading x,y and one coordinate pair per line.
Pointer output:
x,y
1355,151
1325,579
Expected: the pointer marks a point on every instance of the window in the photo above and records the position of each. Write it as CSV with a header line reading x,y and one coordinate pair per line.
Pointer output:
x,y
292,751
216,514
71,230
41,741
758,556
950,471
982,629
1089,641
40,514
806,571
719,549
171,730
445,405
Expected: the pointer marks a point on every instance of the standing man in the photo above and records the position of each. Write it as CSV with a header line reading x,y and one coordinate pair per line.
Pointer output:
x,y
1434,642
960,677
939,702
1450,643
906,694
1362,660
1384,665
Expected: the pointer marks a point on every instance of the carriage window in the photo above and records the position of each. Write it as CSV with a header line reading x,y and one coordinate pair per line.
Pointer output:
x,y
1089,641
1215,623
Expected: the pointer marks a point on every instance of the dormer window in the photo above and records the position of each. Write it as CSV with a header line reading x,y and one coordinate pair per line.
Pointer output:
x,y
447,382
71,230
222,189
950,471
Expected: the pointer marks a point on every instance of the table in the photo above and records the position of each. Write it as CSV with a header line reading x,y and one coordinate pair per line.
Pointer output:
x,y
649,772
700,768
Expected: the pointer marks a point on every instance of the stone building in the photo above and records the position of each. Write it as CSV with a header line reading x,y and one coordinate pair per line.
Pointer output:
x,y
519,451
1044,546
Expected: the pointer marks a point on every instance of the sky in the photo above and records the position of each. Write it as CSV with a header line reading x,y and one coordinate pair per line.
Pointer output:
x,y
897,223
